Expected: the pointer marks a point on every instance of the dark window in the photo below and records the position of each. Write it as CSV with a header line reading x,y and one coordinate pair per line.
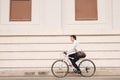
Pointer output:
x,y
86,10
20,10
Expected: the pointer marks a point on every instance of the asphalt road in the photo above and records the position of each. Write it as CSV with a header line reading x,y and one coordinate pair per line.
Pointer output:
x,y
66,78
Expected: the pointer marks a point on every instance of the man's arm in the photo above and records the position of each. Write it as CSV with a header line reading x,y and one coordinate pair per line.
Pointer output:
x,y
72,49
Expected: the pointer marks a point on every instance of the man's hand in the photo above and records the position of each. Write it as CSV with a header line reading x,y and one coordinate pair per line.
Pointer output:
x,y
65,53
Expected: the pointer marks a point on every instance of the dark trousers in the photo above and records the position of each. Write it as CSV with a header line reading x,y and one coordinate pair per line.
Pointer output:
x,y
74,60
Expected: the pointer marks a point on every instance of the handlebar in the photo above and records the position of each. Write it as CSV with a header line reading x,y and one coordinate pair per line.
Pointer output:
x,y
65,53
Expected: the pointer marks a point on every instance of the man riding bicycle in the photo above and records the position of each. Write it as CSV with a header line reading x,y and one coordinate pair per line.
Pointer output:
x,y
72,53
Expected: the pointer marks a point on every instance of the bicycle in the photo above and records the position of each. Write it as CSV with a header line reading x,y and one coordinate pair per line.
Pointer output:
x,y
60,68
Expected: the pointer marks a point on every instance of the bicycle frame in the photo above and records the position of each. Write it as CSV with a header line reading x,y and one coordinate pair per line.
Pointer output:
x,y
66,59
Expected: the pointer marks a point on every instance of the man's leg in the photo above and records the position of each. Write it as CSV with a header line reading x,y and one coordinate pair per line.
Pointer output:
x,y
73,61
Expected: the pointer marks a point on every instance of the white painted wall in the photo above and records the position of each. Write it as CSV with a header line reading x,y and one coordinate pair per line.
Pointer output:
x,y
55,18
102,25
46,19
116,14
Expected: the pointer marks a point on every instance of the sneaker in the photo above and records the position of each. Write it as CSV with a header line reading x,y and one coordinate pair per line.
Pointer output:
x,y
79,72
74,70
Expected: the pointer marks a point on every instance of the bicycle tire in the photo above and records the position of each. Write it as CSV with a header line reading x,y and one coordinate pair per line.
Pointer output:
x,y
53,72
94,67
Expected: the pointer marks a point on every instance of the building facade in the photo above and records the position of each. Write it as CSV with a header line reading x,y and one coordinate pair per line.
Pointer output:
x,y
40,36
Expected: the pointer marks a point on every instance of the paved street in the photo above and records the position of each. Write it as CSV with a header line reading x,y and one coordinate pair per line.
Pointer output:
x,y
66,78
101,74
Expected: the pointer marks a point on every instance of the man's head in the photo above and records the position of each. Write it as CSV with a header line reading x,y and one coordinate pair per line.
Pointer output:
x,y
73,37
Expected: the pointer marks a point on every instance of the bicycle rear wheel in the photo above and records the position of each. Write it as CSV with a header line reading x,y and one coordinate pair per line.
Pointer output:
x,y
60,68
87,68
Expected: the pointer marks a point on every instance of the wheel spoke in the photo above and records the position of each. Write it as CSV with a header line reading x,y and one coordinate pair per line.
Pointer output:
x,y
87,68
60,68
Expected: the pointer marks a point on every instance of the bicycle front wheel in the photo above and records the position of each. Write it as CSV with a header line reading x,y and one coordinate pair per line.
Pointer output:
x,y
60,68
87,67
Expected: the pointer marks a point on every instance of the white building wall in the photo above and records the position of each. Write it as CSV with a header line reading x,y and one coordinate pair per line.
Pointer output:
x,y
57,17
38,43
46,19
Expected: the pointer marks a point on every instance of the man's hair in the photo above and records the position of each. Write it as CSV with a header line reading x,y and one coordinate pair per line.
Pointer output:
x,y
74,37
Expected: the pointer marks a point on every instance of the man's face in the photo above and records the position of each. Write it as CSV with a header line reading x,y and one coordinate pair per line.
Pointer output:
x,y
72,39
